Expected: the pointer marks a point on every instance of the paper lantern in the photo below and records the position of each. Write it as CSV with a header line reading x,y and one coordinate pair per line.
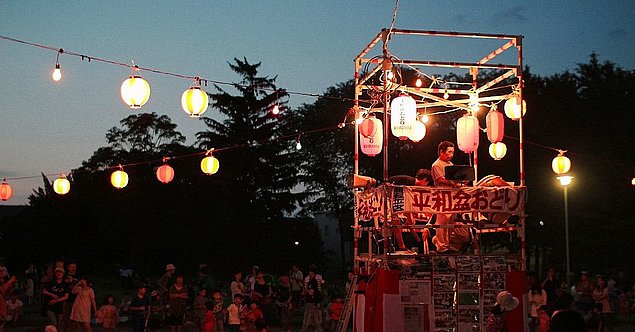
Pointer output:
x,y
6,192
165,173
372,145
418,131
495,124
512,108
210,165
135,91
369,126
467,133
119,179
194,101
403,114
497,150
561,164
61,185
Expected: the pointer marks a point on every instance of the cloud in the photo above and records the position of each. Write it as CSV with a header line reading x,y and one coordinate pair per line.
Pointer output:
x,y
511,16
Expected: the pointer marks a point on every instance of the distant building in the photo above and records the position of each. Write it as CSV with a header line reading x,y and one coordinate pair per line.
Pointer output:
x,y
332,243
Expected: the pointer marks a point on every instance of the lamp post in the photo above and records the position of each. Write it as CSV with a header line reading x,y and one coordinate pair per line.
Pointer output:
x,y
565,181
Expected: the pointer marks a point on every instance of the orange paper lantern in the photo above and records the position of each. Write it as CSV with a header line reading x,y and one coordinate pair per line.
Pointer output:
x,y
165,173
369,126
6,192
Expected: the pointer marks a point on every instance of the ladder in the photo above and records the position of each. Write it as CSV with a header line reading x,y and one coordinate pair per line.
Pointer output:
x,y
342,324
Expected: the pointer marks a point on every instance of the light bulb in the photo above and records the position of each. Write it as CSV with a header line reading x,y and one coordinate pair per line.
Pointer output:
x,y
390,75
425,118
446,95
418,83
275,110
57,73
298,145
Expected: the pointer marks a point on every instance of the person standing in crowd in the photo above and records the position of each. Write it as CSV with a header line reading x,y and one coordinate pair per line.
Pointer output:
x,y
335,311
584,293
219,310
313,320
603,303
550,285
296,279
251,279
445,151
313,276
54,295
178,302
71,278
107,314
5,289
164,283
537,298
14,310
84,301
233,313
140,309
497,320
199,306
237,286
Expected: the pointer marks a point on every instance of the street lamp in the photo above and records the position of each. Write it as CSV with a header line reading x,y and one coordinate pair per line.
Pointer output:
x,y
565,181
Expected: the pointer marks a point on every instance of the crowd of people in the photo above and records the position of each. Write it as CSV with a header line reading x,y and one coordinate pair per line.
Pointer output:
x,y
251,303
591,302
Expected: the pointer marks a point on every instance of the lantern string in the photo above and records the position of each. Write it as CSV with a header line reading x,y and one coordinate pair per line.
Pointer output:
x,y
189,155
167,73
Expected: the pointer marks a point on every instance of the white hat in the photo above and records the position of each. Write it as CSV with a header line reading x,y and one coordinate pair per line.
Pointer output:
x,y
506,301
170,267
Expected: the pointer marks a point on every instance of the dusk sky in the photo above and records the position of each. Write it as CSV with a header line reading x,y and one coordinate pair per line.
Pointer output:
x,y
310,45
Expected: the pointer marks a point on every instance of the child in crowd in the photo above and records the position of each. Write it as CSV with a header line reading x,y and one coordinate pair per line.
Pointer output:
x,y
543,319
199,308
219,310
252,315
233,313
107,314
335,311
14,310
209,321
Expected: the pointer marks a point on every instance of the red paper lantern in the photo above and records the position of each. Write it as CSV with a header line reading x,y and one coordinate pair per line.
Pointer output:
x,y
165,173
6,192
495,123
372,145
467,133
369,126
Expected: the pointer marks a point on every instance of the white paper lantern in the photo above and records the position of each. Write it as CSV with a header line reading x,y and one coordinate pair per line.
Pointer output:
x,y
403,114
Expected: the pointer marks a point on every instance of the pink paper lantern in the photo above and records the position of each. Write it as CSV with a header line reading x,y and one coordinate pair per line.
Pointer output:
x,y
372,145
467,133
495,123
369,126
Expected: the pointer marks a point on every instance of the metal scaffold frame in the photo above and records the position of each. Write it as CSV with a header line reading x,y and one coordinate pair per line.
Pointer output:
x,y
432,97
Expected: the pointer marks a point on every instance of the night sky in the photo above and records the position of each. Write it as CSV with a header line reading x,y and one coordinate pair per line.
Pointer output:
x,y
309,45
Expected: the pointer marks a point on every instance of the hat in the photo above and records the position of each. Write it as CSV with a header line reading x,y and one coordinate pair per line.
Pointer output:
x,y
59,269
255,267
170,267
506,301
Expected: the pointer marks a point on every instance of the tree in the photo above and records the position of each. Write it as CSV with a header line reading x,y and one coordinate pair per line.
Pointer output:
x,y
261,171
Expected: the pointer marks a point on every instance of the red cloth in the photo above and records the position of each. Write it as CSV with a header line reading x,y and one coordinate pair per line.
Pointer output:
x,y
209,322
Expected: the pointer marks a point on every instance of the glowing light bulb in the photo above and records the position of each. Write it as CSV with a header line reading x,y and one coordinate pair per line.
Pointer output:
x,y
57,73
298,145
275,110
390,75
446,95
425,118
418,83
